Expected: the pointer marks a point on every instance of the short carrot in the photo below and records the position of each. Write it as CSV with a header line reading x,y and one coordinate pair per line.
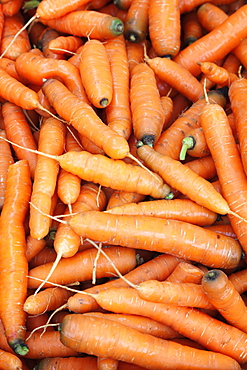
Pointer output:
x,y
217,74
222,294
96,74
185,272
65,44
136,22
194,144
14,266
191,28
131,350
68,187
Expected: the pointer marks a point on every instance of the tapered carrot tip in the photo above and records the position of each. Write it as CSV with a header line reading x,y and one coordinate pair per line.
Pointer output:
x,y
19,347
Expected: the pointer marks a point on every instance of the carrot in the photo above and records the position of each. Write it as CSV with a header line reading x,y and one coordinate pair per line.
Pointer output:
x,y
9,361
11,45
237,93
178,209
170,139
191,28
33,247
121,197
136,22
68,187
186,6
185,180
13,262
35,68
216,44
142,232
217,74
96,74
179,294
158,268
204,167
47,300
106,363
33,322
221,293
176,76
118,113
82,264
164,27
123,4
146,108
224,151
46,255
12,7
6,159
51,141
90,146
45,38
115,332
65,44
210,16
194,143
18,130
238,279
87,22
185,272
189,322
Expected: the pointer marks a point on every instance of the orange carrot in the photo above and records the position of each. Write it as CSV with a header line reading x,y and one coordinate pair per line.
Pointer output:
x,y
13,7
18,130
51,141
115,334
147,111
9,361
191,28
33,247
216,44
136,22
121,197
185,272
196,243
68,187
65,44
221,293
194,143
6,159
164,27
13,262
178,209
218,75
45,38
96,74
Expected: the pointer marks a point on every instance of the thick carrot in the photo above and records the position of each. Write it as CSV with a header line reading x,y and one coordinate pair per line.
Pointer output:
x,y
191,28
226,299
170,139
194,143
82,265
177,209
224,151
118,113
146,108
178,238
158,268
96,74
19,131
215,44
65,44
177,77
45,38
189,322
87,22
136,22
238,279
6,159
51,140
11,48
13,262
68,187
164,27
116,346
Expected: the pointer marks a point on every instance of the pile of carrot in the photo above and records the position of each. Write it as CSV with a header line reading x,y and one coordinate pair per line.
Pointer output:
x,y
123,185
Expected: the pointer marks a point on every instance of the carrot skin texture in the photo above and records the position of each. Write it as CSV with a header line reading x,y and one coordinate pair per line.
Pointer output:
x,y
6,159
144,233
127,350
124,258
13,262
9,361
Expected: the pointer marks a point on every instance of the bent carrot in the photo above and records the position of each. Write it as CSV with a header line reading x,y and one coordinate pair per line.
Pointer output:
x,y
71,335
178,238
13,262
225,298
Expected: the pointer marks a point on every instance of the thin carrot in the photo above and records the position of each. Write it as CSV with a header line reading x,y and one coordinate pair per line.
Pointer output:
x,y
218,75
96,74
216,44
6,159
87,22
178,209
143,232
14,266
136,22
120,197
18,130
118,113
131,350
65,44
51,140
224,151
165,27
135,53
222,294
146,108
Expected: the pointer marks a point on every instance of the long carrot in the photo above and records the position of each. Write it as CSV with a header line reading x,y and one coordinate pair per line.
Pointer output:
x,y
6,159
215,44
116,346
178,238
13,262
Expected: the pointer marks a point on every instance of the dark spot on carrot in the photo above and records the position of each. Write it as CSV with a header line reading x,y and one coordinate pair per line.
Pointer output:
x,y
212,275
